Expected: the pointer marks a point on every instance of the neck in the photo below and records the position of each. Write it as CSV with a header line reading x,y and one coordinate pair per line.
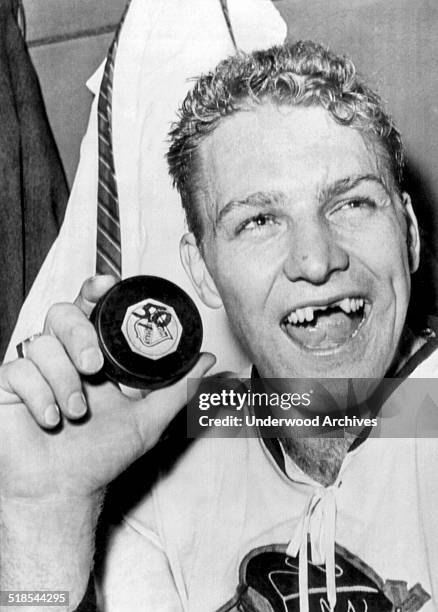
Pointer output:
x,y
319,458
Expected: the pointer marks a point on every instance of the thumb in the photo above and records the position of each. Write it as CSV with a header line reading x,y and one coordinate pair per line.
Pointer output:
x,y
158,409
92,290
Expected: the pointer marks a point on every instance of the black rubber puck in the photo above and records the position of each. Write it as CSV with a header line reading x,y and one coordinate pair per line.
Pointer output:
x,y
150,332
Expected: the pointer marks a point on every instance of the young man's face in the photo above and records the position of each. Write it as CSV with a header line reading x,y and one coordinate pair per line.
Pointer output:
x,y
306,245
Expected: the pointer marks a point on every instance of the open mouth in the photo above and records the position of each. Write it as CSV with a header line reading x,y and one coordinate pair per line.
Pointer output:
x,y
326,326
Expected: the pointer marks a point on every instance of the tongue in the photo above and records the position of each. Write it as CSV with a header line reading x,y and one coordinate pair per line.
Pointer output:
x,y
331,329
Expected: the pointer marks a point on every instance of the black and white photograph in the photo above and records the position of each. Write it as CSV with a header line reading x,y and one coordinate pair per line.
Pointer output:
x,y
219,352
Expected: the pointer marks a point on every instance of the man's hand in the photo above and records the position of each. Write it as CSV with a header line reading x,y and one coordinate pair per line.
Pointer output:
x,y
97,430
63,438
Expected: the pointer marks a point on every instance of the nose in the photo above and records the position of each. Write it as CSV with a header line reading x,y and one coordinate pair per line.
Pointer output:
x,y
314,253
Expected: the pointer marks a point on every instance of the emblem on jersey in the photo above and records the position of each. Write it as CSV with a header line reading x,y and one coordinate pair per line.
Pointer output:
x,y
152,329
269,583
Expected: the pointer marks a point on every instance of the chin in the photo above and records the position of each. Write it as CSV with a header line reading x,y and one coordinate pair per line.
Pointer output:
x,y
358,361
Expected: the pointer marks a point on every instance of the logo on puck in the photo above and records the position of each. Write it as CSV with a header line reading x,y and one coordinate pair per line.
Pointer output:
x,y
152,329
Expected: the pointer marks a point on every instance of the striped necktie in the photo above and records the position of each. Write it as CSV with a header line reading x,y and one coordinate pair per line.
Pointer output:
x,y
108,245
109,256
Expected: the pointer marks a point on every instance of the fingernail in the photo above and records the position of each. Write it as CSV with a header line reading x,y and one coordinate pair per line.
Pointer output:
x,y
91,360
51,415
211,361
77,405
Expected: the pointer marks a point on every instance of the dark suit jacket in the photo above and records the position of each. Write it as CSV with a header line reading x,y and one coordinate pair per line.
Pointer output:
x,y
33,189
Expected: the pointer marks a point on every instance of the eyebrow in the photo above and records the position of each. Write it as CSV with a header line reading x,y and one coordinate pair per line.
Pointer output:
x,y
264,199
348,183
261,199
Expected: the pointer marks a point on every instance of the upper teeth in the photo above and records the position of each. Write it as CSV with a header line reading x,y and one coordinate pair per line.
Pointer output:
x,y
307,314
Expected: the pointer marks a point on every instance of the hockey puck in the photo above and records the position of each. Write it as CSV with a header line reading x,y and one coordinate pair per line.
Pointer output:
x,y
149,330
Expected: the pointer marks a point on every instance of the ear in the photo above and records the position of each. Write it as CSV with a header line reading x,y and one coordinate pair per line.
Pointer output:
x,y
413,234
197,271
